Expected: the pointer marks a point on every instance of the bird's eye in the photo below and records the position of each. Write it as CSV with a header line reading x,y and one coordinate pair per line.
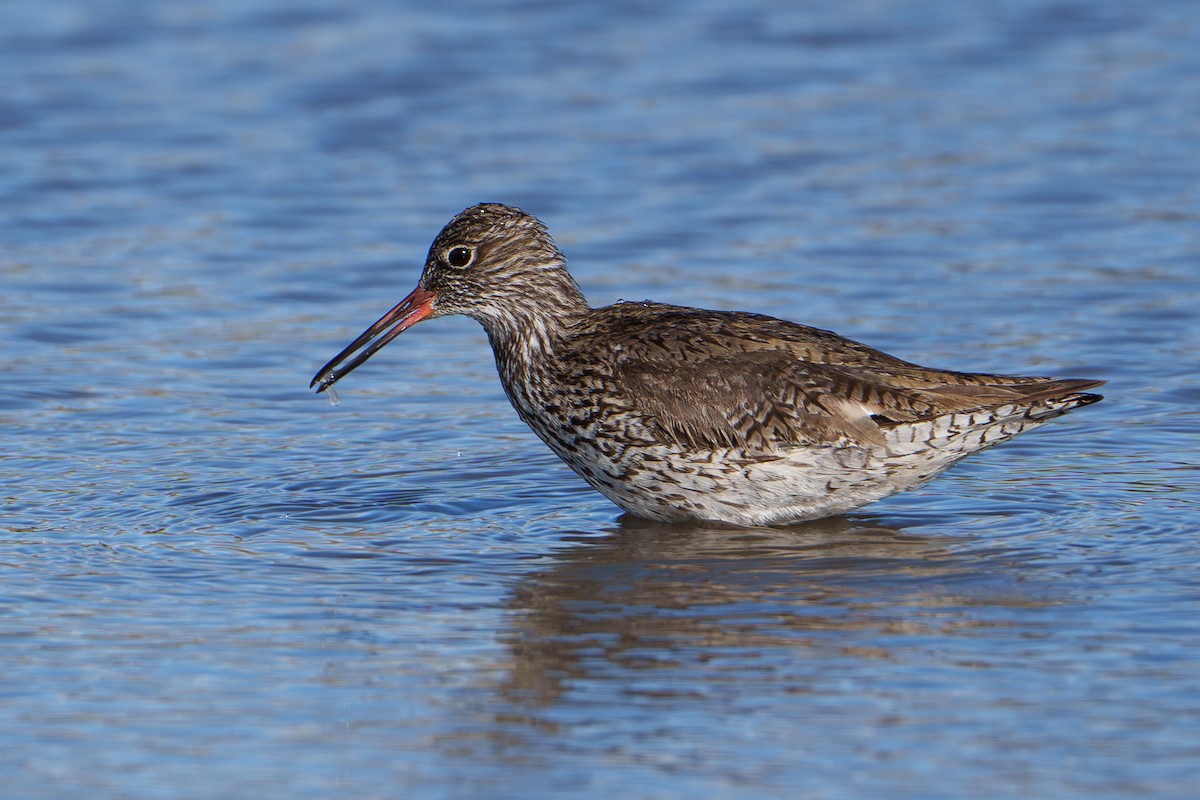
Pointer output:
x,y
459,256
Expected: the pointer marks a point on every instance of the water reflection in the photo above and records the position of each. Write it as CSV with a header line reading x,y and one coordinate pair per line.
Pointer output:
x,y
679,597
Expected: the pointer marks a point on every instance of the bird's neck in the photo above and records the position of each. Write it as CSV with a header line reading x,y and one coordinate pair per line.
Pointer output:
x,y
529,332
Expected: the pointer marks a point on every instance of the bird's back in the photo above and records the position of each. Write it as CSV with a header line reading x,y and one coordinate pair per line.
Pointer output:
x,y
710,379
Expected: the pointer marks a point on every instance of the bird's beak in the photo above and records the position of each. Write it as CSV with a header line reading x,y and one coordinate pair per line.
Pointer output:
x,y
408,312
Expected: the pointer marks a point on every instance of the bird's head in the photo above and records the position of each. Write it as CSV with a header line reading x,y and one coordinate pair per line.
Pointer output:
x,y
493,263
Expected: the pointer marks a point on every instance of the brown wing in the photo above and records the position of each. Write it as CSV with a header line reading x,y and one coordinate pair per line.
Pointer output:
x,y
755,401
714,380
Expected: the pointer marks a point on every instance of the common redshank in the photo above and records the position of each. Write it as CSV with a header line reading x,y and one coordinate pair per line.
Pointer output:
x,y
678,413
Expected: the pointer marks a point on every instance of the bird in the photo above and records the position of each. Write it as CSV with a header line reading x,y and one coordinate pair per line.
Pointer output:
x,y
680,414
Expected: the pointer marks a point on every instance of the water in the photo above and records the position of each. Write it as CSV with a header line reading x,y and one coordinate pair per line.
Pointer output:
x,y
213,583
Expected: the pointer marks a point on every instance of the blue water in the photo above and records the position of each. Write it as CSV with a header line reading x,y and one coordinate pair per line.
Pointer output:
x,y
214,584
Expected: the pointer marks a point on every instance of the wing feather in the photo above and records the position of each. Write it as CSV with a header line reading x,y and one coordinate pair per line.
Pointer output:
x,y
713,380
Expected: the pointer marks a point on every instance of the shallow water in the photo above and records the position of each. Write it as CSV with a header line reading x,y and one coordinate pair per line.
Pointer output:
x,y
213,583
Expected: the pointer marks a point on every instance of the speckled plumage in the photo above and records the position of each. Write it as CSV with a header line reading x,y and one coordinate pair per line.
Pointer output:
x,y
678,413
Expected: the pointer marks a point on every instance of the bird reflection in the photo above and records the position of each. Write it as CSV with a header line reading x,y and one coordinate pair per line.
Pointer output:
x,y
682,598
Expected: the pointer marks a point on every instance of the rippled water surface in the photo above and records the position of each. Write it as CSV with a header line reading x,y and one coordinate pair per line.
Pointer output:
x,y
214,584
